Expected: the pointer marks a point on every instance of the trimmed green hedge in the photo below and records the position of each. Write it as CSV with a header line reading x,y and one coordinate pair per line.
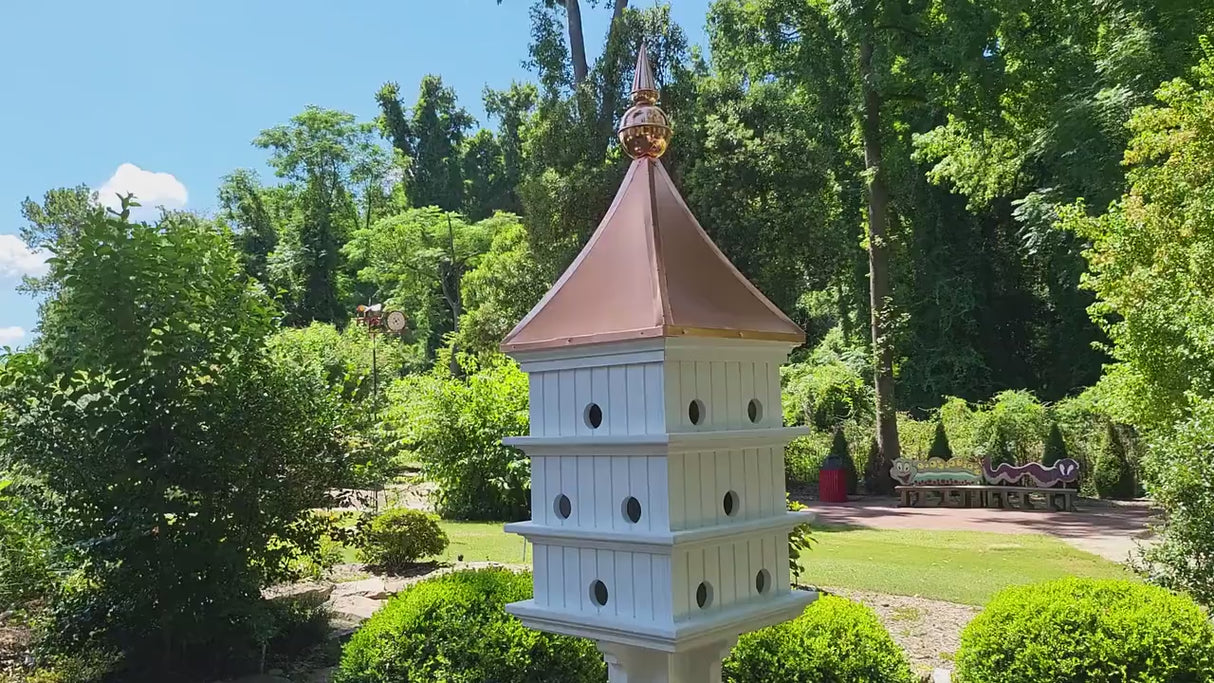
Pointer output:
x,y
398,537
835,640
454,629
1087,631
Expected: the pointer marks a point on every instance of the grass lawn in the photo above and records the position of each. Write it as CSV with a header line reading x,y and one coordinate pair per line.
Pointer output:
x,y
957,566
483,541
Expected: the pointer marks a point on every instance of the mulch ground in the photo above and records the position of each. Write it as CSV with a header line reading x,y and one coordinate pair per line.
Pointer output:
x,y
928,631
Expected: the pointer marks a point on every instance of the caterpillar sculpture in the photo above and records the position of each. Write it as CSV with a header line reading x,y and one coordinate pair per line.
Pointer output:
x,y
1063,471
936,472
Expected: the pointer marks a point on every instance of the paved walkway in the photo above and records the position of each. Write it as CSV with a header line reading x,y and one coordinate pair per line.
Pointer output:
x,y
1110,530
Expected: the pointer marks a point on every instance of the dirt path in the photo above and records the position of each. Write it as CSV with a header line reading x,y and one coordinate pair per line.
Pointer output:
x,y
928,631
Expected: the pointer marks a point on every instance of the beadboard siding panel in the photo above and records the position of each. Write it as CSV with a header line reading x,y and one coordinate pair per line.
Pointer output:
x,y
629,396
597,488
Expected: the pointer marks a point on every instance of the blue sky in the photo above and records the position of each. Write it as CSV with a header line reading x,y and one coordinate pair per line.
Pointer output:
x,y
166,95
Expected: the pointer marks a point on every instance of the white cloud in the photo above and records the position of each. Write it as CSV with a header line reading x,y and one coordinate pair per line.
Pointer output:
x,y
17,259
150,189
9,335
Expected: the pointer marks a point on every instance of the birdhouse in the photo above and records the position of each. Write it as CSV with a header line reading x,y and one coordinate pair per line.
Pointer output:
x,y
659,524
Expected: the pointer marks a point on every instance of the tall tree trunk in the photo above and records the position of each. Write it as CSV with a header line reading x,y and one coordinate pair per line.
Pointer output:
x,y
609,96
577,44
449,278
878,263
617,10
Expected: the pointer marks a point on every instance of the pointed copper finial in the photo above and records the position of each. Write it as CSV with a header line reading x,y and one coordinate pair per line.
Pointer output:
x,y
644,90
644,129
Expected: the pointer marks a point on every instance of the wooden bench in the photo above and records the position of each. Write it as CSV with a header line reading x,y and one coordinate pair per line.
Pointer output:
x,y
1003,497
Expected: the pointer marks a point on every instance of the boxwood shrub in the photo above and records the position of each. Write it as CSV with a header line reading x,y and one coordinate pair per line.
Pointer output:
x,y
453,628
1087,631
834,640
398,537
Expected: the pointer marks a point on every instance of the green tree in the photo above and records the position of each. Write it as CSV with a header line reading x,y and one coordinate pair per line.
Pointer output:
x,y
419,257
329,155
1148,259
431,137
861,41
940,448
577,42
572,167
181,463
484,173
1035,99
513,109
502,288
244,205
55,225
1150,268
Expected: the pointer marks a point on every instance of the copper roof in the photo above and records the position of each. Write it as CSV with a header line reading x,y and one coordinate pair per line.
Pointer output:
x,y
649,270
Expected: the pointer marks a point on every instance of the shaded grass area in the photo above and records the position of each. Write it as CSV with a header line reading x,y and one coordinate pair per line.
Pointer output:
x,y
957,566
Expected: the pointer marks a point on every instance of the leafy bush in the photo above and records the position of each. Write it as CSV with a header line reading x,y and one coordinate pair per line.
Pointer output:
x,y
454,426
824,396
396,538
501,289
454,628
803,459
1177,472
345,358
26,564
800,539
290,626
833,640
1114,477
342,361
838,447
88,666
940,447
180,460
1087,631
1012,429
1055,447
1082,420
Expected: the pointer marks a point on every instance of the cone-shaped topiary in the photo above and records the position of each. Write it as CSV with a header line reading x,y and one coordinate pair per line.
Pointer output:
x,y
1114,478
1055,447
940,448
839,447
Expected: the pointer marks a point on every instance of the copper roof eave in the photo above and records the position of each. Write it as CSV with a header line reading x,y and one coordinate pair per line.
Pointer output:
x,y
651,333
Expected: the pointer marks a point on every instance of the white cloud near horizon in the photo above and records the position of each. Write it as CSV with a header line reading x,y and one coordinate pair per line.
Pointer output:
x,y
151,189
9,335
17,259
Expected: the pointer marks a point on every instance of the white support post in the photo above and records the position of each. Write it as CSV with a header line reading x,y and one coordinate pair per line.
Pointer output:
x,y
630,664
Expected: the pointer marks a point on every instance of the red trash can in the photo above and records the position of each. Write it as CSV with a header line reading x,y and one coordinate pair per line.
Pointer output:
x,y
832,481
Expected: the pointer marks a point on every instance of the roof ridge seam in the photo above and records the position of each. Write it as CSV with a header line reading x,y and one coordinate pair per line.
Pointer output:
x,y
666,315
